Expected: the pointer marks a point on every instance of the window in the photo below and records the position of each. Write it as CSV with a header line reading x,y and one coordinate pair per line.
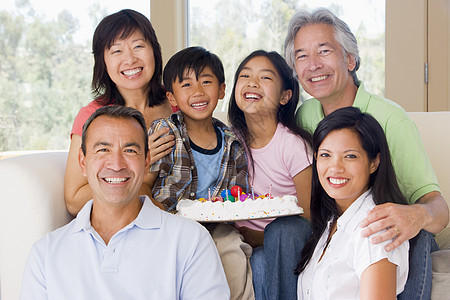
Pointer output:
x,y
46,67
46,60
234,28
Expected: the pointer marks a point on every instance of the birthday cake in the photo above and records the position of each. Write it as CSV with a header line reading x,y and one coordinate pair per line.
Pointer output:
x,y
247,207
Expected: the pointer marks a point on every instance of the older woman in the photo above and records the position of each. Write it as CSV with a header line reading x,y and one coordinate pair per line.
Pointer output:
x,y
127,71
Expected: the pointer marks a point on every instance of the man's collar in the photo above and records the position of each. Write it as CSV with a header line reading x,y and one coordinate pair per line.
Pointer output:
x,y
149,216
83,219
362,98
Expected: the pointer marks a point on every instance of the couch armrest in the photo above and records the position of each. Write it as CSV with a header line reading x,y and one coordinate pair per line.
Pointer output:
x,y
433,128
31,204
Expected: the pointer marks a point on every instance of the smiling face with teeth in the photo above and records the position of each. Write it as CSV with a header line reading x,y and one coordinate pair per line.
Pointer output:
x,y
197,96
343,167
259,88
130,63
322,67
115,161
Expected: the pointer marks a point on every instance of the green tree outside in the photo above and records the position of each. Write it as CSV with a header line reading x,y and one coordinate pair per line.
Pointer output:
x,y
45,74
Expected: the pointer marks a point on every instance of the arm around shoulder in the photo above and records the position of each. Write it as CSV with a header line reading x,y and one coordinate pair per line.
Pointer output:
x,y
76,188
147,188
436,212
404,222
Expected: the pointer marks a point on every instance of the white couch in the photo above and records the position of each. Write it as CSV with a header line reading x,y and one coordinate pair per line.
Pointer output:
x,y
31,203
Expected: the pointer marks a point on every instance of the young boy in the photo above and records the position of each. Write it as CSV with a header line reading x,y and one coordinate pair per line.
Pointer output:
x,y
207,157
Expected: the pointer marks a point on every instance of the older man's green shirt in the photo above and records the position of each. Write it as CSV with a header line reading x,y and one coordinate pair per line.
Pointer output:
x,y
411,163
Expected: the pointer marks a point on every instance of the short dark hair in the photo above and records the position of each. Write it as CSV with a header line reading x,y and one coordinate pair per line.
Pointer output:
x,y
117,112
121,25
195,59
383,181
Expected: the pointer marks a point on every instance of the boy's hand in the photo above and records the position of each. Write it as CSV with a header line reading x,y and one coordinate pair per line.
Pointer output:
x,y
159,145
252,237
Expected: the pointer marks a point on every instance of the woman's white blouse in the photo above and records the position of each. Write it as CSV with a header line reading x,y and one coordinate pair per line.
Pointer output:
x,y
338,274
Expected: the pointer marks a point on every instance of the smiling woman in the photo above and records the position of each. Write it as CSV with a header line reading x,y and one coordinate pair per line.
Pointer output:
x,y
127,71
352,173
343,167
133,48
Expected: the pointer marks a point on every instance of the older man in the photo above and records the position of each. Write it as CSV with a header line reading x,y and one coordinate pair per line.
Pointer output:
x,y
324,53
121,246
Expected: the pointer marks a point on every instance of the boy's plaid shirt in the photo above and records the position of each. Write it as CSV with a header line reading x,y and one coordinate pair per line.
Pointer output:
x,y
178,176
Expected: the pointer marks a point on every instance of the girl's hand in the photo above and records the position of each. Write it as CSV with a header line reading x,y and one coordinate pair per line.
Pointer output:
x,y
252,237
159,145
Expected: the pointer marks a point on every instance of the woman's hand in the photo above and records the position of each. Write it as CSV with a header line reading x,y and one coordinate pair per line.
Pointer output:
x,y
160,145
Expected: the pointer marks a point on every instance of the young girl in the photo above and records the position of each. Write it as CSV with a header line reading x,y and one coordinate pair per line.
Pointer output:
x,y
352,172
261,112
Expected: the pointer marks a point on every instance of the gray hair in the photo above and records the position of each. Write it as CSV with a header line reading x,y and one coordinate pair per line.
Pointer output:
x,y
342,34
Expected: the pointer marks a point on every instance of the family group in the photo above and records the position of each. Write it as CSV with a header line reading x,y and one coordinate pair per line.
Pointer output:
x,y
354,160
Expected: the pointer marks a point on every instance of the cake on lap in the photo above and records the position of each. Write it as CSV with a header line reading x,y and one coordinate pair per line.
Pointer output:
x,y
234,206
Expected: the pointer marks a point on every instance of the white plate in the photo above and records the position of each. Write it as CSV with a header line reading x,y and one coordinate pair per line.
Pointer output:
x,y
243,219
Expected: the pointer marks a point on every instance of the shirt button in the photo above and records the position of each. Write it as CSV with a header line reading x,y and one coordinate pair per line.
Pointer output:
x,y
192,194
184,140
192,167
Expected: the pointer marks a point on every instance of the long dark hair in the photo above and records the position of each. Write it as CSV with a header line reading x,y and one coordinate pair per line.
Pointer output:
x,y
285,114
383,181
121,25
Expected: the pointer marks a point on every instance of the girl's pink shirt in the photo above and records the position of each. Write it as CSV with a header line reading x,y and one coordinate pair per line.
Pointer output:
x,y
275,165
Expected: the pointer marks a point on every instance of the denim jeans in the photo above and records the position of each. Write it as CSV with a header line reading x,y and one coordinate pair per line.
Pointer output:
x,y
418,284
273,264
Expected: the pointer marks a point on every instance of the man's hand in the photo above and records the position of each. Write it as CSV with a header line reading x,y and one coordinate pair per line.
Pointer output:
x,y
159,145
405,221
402,222
252,237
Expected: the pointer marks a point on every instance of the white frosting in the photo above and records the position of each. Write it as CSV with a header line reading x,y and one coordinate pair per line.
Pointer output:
x,y
233,211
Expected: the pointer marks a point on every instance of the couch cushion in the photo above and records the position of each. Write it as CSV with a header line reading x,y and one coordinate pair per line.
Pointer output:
x,y
31,204
433,130
443,239
441,274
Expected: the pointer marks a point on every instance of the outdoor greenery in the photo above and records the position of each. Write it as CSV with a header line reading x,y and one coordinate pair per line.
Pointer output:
x,y
45,78
46,73
239,27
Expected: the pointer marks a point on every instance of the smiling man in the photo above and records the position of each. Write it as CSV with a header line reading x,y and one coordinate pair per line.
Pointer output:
x,y
121,246
324,53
